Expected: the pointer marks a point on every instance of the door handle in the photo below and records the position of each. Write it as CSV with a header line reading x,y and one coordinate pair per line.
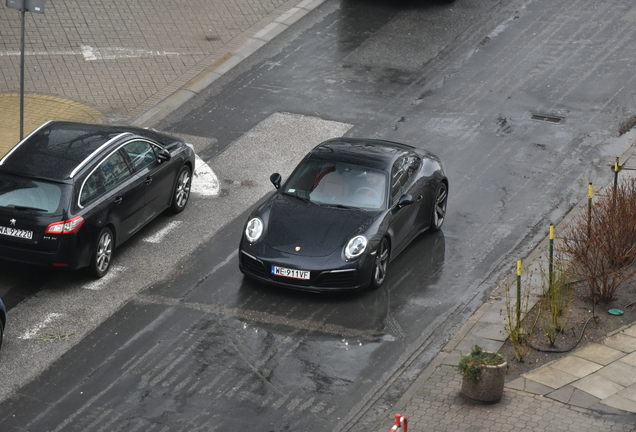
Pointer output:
x,y
419,198
148,180
118,200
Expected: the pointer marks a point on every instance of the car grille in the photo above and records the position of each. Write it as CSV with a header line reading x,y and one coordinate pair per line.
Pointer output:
x,y
336,278
253,265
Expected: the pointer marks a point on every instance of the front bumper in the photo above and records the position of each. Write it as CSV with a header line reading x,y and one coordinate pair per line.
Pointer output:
x,y
323,277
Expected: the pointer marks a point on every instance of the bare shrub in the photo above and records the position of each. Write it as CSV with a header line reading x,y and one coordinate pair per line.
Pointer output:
x,y
515,323
556,298
602,244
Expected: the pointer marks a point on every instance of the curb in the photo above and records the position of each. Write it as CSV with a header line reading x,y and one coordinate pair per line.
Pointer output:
x,y
224,65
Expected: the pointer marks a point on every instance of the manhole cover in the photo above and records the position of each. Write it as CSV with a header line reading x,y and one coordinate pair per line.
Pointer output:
x,y
550,118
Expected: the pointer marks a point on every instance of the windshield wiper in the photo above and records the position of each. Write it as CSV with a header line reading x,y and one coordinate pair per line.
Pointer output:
x,y
342,206
25,208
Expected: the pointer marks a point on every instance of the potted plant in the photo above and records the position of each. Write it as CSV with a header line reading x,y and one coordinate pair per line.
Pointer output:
x,y
483,375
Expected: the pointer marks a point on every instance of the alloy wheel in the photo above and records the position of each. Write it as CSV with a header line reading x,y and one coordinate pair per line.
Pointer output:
x,y
381,263
104,252
182,190
439,212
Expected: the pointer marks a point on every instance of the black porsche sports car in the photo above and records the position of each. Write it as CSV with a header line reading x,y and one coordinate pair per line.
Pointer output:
x,y
70,193
348,208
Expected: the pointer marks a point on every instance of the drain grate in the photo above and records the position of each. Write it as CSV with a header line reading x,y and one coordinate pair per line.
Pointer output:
x,y
550,118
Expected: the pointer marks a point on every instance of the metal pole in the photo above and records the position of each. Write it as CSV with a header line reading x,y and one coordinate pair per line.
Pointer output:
x,y
551,260
518,294
616,169
590,195
22,76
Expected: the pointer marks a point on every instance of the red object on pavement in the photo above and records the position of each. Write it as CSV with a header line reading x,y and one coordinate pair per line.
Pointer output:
x,y
400,421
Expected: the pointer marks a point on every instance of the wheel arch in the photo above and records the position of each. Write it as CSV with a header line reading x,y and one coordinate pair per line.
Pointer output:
x,y
113,230
388,238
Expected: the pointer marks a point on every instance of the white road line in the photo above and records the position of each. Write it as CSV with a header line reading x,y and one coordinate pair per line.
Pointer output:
x,y
100,283
38,53
159,235
94,53
91,53
204,182
33,331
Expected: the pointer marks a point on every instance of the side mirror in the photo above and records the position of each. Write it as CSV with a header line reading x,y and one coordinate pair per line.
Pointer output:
x,y
164,155
275,179
404,200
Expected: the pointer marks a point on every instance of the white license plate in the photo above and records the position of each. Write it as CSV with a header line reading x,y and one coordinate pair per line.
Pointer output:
x,y
14,232
290,273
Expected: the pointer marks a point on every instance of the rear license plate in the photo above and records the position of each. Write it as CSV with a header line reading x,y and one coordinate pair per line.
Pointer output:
x,y
290,273
14,232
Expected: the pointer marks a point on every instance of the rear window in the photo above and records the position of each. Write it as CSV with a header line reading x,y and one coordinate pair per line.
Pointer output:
x,y
29,195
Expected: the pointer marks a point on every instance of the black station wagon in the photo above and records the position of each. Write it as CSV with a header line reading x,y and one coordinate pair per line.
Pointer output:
x,y
70,193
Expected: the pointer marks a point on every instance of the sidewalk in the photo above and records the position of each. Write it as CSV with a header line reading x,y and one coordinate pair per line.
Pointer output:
x,y
126,71
591,389
124,62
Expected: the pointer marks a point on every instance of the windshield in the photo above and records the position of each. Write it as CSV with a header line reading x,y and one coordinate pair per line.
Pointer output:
x,y
29,195
338,184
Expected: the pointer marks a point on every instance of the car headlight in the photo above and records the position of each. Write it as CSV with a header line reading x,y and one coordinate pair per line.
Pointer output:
x,y
355,247
254,229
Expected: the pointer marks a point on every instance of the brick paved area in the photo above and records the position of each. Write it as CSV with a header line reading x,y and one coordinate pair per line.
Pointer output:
x,y
437,406
123,57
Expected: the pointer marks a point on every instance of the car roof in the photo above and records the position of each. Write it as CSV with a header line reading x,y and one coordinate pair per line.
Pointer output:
x,y
373,153
57,148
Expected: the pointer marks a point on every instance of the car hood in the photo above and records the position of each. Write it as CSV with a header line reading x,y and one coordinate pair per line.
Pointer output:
x,y
302,228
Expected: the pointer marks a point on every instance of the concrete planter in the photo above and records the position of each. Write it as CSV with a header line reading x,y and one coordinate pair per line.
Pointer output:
x,y
489,389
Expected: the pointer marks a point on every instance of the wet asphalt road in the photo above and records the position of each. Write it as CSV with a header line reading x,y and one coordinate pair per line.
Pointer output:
x,y
205,348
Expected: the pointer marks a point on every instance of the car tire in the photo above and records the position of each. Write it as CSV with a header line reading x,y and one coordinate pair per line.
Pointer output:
x,y
103,254
380,264
181,192
439,207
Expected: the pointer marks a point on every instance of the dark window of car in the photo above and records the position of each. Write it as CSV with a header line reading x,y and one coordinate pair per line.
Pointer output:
x,y
93,187
115,170
141,154
398,178
413,167
28,194
402,175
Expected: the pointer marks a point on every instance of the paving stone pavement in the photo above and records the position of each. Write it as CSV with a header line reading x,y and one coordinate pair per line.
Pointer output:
x,y
134,62
120,60
434,401
438,406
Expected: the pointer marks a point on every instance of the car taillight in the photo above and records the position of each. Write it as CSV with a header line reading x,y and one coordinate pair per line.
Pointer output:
x,y
65,227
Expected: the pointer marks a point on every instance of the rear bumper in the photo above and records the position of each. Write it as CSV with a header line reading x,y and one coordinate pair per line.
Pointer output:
x,y
68,254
